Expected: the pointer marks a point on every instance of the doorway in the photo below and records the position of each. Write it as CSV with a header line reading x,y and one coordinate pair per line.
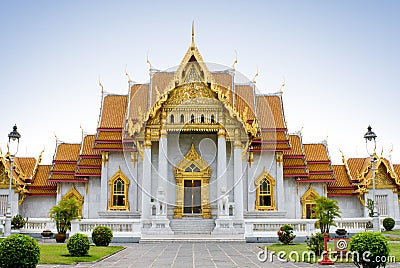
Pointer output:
x,y
192,197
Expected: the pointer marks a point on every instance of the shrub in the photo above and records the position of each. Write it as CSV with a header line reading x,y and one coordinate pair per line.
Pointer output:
x,y
19,250
315,243
78,245
388,223
102,235
18,222
285,234
375,244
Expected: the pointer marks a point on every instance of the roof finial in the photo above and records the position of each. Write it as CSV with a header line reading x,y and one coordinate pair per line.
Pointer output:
x,y
102,88
233,65
255,76
127,75
282,85
193,45
148,62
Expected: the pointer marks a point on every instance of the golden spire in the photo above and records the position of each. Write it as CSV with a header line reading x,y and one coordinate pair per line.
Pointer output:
x,y
193,45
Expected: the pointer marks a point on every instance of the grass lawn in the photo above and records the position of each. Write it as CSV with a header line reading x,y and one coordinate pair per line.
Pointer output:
x,y
392,232
301,248
58,254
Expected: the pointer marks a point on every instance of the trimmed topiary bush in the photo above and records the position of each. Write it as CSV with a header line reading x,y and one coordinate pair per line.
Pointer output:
x,y
369,249
19,250
285,234
315,243
388,223
78,245
102,236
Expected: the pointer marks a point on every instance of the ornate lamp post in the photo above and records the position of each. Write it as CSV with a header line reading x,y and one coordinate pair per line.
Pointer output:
x,y
370,142
13,143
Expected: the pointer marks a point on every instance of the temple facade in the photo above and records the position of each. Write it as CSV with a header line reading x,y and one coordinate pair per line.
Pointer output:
x,y
194,144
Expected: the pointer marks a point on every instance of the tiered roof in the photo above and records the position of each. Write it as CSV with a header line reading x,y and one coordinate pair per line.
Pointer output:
x,y
355,176
318,162
64,163
294,161
112,117
89,162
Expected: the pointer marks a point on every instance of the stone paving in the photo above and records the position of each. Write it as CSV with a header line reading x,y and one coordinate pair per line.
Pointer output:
x,y
199,254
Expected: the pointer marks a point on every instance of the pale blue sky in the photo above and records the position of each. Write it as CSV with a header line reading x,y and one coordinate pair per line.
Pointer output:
x,y
340,61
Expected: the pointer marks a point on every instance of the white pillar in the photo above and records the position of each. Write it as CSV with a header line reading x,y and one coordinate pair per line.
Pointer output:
x,y
221,164
146,180
238,177
163,166
104,182
280,192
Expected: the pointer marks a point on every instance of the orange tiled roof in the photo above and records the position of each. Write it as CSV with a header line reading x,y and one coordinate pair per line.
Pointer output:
x,y
293,162
90,162
160,81
87,147
113,111
296,146
88,171
109,136
139,102
316,152
341,177
318,162
356,166
223,79
65,162
342,184
26,164
270,112
396,168
67,152
244,97
41,177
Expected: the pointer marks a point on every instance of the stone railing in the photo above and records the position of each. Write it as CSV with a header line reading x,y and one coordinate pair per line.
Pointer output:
x,y
302,227
120,227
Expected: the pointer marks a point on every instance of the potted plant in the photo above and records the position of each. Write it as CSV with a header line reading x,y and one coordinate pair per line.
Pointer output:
x,y
18,222
62,214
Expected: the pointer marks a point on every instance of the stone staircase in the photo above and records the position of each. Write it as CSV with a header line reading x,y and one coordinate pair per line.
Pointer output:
x,y
192,226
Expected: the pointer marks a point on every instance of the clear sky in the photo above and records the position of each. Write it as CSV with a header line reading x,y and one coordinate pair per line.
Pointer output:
x,y
340,61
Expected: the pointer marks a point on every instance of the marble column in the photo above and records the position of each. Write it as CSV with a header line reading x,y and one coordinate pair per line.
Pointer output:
x,y
221,165
163,170
146,181
280,192
104,182
238,176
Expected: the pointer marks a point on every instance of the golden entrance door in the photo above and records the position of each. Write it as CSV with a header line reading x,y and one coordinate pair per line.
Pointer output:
x,y
192,197
192,175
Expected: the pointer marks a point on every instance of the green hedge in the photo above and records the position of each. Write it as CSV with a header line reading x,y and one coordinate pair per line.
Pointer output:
x,y
19,250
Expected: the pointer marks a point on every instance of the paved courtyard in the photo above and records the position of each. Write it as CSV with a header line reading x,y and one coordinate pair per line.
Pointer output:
x,y
186,254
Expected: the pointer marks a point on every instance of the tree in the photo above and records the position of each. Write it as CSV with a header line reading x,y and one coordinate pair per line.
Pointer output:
x,y
63,213
326,211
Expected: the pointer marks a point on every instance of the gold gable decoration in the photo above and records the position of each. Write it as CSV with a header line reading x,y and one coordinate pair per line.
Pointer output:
x,y
192,157
73,193
308,198
385,178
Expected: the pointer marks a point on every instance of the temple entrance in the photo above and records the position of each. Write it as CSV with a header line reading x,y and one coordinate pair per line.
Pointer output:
x,y
192,176
192,197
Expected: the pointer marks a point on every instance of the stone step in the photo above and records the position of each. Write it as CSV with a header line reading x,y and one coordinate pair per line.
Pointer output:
x,y
192,226
192,238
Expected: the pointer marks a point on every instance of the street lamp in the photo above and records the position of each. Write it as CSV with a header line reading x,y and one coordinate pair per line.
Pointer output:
x,y
370,142
13,143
